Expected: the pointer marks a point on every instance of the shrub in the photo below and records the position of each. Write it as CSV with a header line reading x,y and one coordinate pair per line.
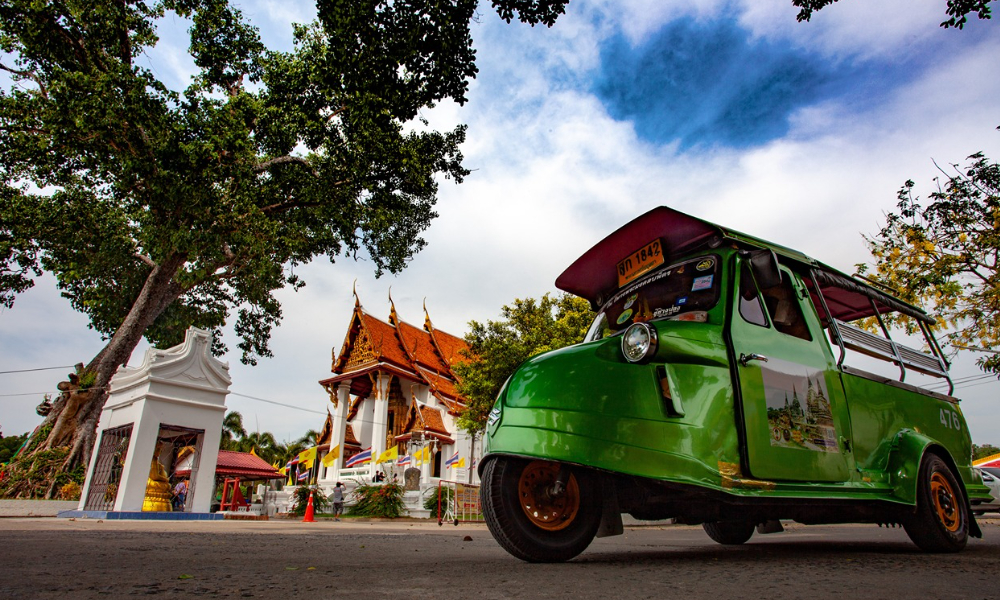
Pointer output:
x,y
385,501
70,491
431,503
320,502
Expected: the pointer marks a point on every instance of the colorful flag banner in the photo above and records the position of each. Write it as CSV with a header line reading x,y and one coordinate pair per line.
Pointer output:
x,y
403,461
389,455
331,456
360,459
303,475
451,461
460,464
307,457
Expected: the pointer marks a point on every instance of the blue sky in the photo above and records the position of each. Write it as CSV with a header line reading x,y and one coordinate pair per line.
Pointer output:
x,y
800,133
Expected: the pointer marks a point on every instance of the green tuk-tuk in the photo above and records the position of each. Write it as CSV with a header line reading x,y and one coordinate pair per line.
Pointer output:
x,y
714,388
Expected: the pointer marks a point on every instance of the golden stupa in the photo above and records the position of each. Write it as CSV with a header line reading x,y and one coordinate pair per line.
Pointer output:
x,y
157,488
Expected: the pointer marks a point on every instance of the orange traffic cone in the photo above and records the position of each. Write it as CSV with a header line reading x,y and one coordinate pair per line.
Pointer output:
x,y
310,511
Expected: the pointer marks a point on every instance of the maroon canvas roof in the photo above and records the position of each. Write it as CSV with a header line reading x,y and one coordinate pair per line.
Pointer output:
x,y
594,275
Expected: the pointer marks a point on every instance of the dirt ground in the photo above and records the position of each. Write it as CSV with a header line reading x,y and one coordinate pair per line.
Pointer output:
x,y
57,558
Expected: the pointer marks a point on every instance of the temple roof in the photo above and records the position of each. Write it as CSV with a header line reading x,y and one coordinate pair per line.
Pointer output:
x,y
422,355
429,421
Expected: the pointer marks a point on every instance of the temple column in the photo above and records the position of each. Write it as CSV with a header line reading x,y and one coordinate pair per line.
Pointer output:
x,y
380,418
339,433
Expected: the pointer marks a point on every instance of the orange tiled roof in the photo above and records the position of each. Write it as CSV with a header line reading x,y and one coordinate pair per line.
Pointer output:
x,y
384,340
380,335
442,386
449,346
421,347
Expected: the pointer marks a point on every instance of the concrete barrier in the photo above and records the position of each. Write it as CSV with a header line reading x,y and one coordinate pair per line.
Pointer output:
x,y
35,508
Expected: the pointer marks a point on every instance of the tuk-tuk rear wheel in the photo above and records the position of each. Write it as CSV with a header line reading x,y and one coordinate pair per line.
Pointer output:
x,y
941,522
532,521
729,533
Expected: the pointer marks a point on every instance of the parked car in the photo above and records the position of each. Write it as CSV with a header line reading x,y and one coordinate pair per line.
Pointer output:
x,y
991,478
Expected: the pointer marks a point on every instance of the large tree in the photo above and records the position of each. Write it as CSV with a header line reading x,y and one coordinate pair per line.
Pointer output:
x,y
496,348
958,11
159,208
945,254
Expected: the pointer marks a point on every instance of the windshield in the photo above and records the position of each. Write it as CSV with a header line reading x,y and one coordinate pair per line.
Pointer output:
x,y
691,286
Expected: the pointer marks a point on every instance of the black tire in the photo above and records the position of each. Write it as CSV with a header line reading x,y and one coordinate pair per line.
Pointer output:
x,y
510,489
941,522
729,533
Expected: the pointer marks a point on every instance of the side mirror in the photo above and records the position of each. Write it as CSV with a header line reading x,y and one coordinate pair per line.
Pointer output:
x,y
764,264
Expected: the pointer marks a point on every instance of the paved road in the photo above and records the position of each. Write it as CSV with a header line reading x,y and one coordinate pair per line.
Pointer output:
x,y
57,558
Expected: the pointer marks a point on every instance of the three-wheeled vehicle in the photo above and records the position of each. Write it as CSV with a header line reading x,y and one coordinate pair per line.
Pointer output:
x,y
714,388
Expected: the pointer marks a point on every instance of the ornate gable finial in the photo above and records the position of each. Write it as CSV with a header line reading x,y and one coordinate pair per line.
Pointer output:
x,y
393,317
428,326
354,290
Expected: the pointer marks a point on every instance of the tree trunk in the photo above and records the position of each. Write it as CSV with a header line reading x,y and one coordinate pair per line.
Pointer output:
x,y
70,428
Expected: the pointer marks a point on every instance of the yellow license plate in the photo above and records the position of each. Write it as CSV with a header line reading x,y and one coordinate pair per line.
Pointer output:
x,y
641,261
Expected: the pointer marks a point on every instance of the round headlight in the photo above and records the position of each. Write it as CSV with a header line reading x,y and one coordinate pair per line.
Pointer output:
x,y
639,342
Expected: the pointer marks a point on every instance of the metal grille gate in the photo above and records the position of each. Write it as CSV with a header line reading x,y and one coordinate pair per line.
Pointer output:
x,y
108,468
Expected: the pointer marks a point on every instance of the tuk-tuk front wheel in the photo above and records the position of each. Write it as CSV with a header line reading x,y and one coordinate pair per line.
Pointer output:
x,y
941,522
534,514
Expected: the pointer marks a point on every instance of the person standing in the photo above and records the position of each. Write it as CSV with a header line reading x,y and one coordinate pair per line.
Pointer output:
x,y
338,501
180,494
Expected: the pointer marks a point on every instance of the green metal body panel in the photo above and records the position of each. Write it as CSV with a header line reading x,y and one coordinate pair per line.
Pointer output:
x,y
587,405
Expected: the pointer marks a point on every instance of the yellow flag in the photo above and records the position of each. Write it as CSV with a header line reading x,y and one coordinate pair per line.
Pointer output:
x,y
282,471
307,457
390,454
331,456
427,454
460,464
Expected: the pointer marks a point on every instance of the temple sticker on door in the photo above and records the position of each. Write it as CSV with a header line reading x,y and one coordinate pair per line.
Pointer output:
x,y
798,407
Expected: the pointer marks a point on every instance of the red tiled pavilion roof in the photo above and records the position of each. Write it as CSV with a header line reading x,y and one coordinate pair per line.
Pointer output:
x,y
240,464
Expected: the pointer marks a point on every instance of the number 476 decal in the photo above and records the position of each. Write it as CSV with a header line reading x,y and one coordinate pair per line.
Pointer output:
x,y
949,419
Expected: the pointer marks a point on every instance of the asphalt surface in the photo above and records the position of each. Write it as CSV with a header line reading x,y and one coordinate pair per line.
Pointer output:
x,y
58,558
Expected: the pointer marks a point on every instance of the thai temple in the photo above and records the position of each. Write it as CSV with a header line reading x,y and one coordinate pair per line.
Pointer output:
x,y
393,387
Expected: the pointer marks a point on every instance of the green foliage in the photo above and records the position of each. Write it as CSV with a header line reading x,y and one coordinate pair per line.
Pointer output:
x,y
944,255
526,328
957,10
984,450
320,501
444,494
232,431
162,208
382,501
235,437
10,445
